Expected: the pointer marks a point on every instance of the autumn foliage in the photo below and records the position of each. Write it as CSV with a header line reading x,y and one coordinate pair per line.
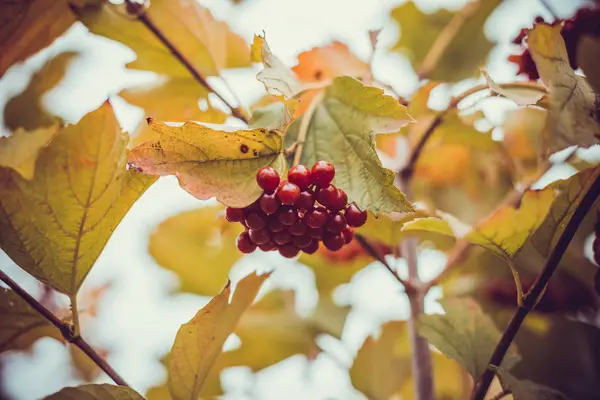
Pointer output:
x,y
330,173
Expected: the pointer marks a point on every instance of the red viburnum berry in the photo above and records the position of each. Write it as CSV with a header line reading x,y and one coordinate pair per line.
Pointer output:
x,y
340,201
256,220
282,238
301,242
316,217
268,179
298,228
322,173
269,246
300,176
244,244
315,233
348,234
274,224
354,216
260,236
289,250
234,214
269,203
326,196
336,223
333,243
288,193
312,247
287,215
306,200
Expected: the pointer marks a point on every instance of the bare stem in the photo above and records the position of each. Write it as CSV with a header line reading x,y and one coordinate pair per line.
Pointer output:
x,y
138,10
304,125
536,290
75,315
379,257
65,329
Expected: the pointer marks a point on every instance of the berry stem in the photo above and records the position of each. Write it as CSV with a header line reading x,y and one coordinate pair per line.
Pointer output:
x,y
304,125
379,257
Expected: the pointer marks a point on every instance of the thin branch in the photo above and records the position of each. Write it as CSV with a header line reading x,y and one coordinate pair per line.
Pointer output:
x,y
445,38
379,257
138,10
65,329
304,125
502,394
536,290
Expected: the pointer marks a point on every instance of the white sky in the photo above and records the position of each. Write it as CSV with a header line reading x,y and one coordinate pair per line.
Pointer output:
x,y
138,318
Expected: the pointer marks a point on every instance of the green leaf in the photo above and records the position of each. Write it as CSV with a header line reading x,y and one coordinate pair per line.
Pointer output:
x,y
526,389
95,392
199,342
465,334
27,27
211,163
27,110
208,44
199,246
20,150
341,130
21,325
465,54
572,100
381,367
55,225
570,193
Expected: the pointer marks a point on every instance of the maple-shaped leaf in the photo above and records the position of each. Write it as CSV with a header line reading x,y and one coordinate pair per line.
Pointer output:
x,y
29,26
175,99
465,334
462,57
382,365
199,246
572,102
27,110
521,95
20,150
278,79
55,225
96,392
208,44
21,325
211,163
570,193
199,342
341,129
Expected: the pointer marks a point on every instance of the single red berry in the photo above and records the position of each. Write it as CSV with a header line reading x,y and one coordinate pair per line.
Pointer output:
x,y
316,217
234,214
244,244
334,243
274,224
298,228
339,202
306,201
315,233
256,220
288,193
268,179
251,208
336,223
289,250
348,234
268,203
312,247
322,173
282,238
299,175
301,241
327,196
287,215
269,246
260,236
355,216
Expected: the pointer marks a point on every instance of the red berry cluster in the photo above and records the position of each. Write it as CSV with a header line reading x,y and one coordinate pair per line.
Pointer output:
x,y
297,213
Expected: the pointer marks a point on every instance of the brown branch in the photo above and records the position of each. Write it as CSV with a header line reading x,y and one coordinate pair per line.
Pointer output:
x,y
502,394
138,10
536,290
373,252
65,329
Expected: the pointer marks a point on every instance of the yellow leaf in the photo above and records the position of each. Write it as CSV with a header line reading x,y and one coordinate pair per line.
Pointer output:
x,y
96,392
199,342
55,225
211,163
588,52
435,225
572,100
29,26
20,150
277,78
466,52
199,247
341,130
27,109
173,100
382,365
507,229
21,325
209,44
